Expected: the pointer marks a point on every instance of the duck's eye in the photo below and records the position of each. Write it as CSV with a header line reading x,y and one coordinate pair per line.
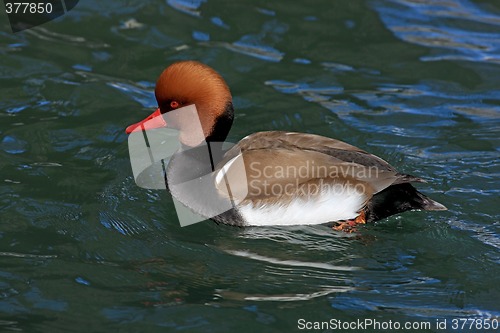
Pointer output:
x,y
174,104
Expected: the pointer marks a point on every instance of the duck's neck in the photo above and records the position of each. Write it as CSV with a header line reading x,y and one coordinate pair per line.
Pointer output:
x,y
222,125
209,150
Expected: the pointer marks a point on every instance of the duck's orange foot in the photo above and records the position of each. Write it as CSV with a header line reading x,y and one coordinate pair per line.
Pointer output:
x,y
350,225
346,226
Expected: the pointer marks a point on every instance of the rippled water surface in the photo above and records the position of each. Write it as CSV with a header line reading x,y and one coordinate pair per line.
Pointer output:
x,y
83,249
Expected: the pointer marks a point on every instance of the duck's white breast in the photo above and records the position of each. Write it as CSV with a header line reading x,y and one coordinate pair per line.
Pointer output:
x,y
326,207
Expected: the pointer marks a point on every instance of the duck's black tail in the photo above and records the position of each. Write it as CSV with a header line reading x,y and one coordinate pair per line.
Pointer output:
x,y
397,199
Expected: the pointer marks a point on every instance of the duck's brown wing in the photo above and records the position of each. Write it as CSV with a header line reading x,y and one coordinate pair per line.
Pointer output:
x,y
280,167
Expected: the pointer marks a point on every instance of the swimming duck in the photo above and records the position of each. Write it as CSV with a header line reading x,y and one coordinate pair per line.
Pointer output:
x,y
289,178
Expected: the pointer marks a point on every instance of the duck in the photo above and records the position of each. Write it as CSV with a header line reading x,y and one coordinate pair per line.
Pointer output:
x,y
276,178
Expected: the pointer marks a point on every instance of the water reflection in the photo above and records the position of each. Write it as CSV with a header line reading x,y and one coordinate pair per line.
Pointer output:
x,y
464,31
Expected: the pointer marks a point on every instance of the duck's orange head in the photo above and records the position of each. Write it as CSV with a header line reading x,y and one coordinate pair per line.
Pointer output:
x,y
186,83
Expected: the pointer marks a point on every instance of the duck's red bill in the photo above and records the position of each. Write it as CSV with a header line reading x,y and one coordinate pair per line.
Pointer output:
x,y
155,120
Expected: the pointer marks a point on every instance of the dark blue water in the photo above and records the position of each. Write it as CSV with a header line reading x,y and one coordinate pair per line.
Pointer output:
x,y
83,249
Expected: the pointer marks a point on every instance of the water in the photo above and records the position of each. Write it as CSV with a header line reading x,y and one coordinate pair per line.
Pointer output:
x,y
83,249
